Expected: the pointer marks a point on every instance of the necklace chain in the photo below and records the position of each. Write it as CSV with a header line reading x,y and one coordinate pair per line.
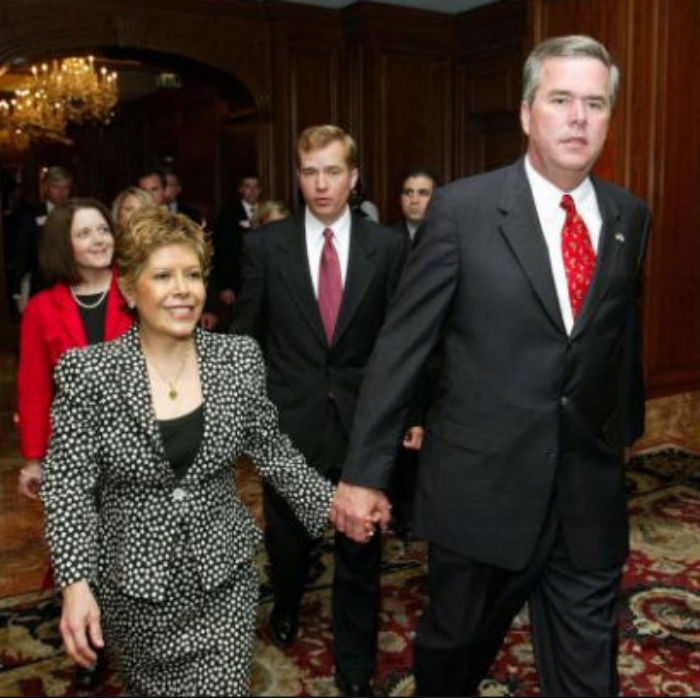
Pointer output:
x,y
89,305
172,389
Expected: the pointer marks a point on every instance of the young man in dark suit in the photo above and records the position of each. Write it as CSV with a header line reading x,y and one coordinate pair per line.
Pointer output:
x,y
529,276
315,293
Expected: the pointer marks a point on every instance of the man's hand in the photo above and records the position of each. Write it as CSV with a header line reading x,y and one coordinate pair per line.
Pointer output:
x,y
413,438
227,296
209,321
29,479
80,624
356,510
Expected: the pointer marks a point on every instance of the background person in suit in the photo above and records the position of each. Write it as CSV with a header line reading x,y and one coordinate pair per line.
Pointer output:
x,y
171,196
529,276
315,292
233,222
153,181
56,189
417,188
148,535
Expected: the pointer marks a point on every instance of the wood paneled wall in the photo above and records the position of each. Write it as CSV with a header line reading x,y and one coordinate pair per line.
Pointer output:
x,y
654,150
417,87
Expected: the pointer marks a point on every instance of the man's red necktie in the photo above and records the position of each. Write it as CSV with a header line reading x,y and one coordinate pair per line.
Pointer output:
x,y
577,251
330,285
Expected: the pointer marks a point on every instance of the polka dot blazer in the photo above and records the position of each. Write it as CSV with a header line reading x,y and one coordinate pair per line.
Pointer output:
x,y
112,505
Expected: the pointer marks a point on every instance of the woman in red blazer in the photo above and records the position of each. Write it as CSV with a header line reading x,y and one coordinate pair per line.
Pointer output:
x,y
83,306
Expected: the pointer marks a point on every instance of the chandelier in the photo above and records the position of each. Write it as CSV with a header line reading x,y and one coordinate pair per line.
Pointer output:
x,y
71,90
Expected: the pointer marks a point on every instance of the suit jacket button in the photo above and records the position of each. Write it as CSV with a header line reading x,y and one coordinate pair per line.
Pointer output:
x,y
179,494
564,401
331,396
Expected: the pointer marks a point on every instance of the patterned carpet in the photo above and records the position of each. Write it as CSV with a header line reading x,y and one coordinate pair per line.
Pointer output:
x,y
659,610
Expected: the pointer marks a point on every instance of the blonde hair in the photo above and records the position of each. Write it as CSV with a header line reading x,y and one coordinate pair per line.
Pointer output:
x,y
151,228
316,137
144,198
271,210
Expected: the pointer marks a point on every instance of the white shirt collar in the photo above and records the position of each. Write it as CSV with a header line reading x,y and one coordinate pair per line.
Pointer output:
x,y
548,196
340,227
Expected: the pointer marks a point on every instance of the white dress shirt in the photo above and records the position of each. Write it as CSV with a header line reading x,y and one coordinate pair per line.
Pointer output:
x,y
315,240
249,209
551,215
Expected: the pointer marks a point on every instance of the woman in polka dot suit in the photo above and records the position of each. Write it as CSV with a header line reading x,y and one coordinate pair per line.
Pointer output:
x,y
150,541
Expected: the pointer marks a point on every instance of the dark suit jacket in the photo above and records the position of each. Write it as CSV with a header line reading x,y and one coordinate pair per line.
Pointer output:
x,y
231,226
189,211
524,414
27,246
278,306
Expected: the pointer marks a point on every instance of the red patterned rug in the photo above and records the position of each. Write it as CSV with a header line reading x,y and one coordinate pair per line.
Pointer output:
x,y
659,612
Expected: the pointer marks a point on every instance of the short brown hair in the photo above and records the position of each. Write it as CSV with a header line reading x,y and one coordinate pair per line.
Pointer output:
x,y
56,261
151,228
316,137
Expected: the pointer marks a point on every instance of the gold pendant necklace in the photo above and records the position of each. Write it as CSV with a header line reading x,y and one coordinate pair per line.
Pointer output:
x,y
172,390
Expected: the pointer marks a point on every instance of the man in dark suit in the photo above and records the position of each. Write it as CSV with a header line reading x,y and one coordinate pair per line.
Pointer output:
x,y
529,277
56,184
233,222
314,293
417,187
152,179
171,196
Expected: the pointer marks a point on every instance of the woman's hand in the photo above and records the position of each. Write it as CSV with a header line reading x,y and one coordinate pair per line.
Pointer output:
x,y
29,479
80,624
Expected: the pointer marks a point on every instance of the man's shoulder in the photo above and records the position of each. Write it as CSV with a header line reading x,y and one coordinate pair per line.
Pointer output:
x,y
399,226
621,196
487,184
380,232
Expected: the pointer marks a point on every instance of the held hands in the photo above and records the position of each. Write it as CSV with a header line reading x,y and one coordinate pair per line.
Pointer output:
x,y
80,624
29,479
413,438
357,510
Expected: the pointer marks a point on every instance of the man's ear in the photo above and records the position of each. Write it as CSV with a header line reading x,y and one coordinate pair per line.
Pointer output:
x,y
354,174
525,117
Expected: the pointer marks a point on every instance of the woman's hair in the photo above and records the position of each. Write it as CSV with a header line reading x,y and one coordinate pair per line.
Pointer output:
x,y
271,210
144,198
151,228
56,261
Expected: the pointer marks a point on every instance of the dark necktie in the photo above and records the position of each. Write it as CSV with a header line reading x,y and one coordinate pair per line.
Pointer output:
x,y
578,254
330,285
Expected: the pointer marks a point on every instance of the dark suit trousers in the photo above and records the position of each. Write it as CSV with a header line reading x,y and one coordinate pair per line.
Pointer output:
x,y
356,589
471,606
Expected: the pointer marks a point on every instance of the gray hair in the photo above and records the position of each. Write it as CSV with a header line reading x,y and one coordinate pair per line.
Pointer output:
x,y
57,174
562,47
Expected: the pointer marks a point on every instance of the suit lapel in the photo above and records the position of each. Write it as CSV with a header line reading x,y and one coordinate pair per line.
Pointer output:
x,y
136,389
521,228
295,271
610,245
360,273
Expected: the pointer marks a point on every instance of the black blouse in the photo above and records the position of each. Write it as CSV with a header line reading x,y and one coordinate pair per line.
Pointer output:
x,y
93,318
182,437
